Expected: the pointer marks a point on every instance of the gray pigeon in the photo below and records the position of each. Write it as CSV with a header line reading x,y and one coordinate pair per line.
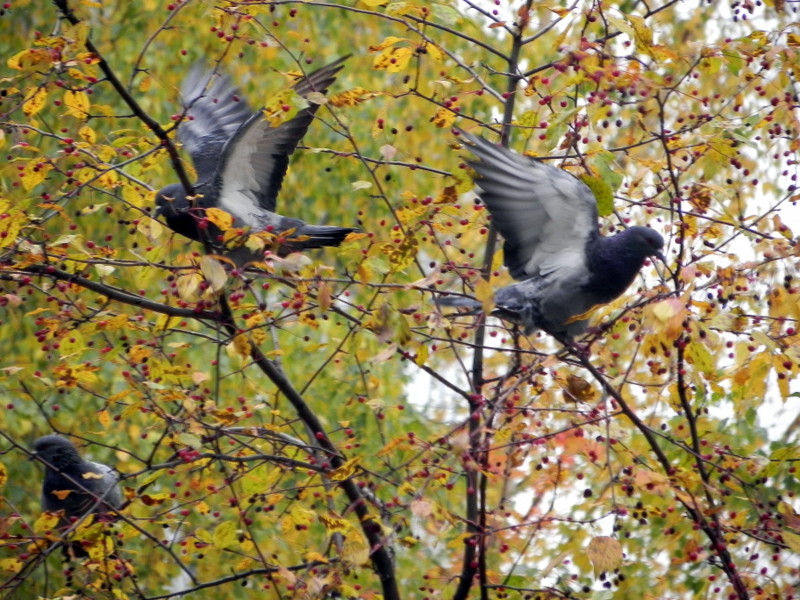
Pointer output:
x,y
553,246
72,484
240,161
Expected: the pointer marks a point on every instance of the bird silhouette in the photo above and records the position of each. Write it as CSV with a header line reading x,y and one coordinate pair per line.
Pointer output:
x,y
74,485
552,243
241,160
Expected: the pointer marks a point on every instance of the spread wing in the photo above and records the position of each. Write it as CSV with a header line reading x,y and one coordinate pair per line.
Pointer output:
x,y
215,110
546,216
255,159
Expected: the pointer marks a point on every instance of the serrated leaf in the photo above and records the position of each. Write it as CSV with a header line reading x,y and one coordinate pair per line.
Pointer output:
x,y
346,471
225,534
214,272
605,554
77,104
393,59
87,134
220,218
335,524
602,193
46,522
35,102
355,549
191,440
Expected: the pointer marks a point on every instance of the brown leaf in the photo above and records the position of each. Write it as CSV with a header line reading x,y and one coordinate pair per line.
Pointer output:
x,y
605,553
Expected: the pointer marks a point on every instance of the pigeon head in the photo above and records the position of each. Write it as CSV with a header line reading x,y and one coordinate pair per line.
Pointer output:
x,y
173,204
645,242
56,451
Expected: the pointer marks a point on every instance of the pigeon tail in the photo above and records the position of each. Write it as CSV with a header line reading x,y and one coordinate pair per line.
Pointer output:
x,y
317,236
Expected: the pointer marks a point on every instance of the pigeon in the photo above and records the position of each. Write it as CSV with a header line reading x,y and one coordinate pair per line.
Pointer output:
x,y
74,485
552,243
241,161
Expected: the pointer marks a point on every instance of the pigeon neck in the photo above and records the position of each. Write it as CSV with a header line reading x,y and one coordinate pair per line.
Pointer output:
x,y
613,265
64,461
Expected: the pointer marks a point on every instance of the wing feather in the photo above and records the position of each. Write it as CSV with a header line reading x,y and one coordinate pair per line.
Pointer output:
x,y
545,215
215,110
255,159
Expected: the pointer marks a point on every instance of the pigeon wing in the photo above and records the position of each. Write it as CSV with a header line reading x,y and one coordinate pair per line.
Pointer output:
x,y
215,110
255,159
546,216
106,487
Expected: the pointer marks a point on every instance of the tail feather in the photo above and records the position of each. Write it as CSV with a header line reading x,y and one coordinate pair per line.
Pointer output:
x,y
319,236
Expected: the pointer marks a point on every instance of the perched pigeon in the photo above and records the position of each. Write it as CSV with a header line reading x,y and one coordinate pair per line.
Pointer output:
x,y
241,161
548,219
72,484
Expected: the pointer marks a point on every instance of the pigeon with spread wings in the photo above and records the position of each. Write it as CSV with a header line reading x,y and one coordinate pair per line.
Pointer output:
x,y
241,161
552,243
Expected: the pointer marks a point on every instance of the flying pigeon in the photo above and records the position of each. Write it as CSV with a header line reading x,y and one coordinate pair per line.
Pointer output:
x,y
241,160
72,484
553,246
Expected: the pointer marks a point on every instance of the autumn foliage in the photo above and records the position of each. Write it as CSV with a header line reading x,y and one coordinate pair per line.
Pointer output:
x,y
316,426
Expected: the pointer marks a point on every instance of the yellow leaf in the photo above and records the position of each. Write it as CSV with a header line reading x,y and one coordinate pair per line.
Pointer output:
x,y
698,355
668,316
484,292
355,549
34,174
792,540
387,43
422,355
77,33
393,59
602,192
30,59
139,353
443,118
644,34
35,102
605,553
345,471
46,522
11,565
137,196
104,418
77,104
241,345
225,534
219,218
3,475
334,523
11,222
434,52
87,134
561,12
